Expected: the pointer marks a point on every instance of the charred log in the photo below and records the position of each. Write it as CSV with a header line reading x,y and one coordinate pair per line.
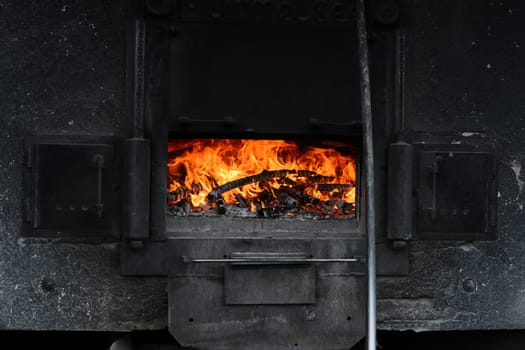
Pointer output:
x,y
281,192
221,207
264,176
243,202
344,206
178,195
331,187
299,194
183,193
182,208
286,199
274,212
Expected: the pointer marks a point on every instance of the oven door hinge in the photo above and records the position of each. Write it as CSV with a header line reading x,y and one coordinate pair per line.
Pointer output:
x,y
136,206
400,201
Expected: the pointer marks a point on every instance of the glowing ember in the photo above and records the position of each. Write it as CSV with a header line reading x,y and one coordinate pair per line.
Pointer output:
x,y
273,177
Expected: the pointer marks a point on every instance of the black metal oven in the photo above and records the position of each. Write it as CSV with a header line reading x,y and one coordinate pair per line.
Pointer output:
x,y
274,276
281,267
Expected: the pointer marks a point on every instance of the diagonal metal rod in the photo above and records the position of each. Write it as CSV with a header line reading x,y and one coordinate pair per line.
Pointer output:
x,y
366,111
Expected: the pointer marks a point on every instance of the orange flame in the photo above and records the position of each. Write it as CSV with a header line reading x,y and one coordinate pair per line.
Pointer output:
x,y
198,166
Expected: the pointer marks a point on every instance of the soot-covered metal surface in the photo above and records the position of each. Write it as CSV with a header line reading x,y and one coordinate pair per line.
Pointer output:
x,y
63,72
62,68
464,79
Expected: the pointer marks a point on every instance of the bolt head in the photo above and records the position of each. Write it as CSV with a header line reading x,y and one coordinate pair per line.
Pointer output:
x,y
47,284
469,285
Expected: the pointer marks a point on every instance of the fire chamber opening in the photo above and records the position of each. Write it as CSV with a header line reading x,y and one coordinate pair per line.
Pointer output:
x,y
261,178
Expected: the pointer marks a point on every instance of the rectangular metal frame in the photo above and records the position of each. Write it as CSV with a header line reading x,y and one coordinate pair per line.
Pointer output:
x,y
109,193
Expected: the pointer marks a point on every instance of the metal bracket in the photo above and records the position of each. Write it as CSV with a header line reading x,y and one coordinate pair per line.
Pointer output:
x,y
266,259
98,159
400,188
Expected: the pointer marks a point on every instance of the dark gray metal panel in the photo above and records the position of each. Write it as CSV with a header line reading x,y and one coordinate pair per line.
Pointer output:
x,y
456,193
188,226
466,74
146,260
400,196
202,320
200,317
296,12
71,187
264,80
269,284
137,199
390,261
62,68
465,66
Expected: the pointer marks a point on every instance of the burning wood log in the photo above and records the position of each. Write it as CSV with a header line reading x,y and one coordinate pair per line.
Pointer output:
x,y
299,195
284,192
243,202
287,199
276,211
307,199
263,176
183,193
344,206
221,207
178,195
201,172
182,208
264,198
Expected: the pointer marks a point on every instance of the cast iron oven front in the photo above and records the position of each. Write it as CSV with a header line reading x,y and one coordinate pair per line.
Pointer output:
x,y
265,283
233,282
260,70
